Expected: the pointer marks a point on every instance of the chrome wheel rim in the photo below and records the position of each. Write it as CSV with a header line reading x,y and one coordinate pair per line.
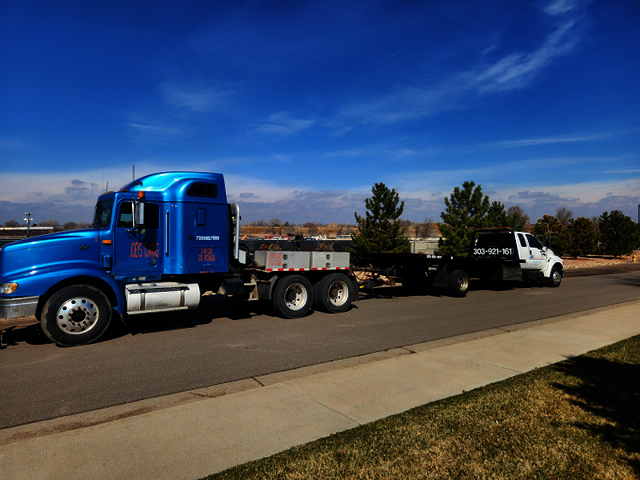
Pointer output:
x,y
338,292
463,283
77,315
295,297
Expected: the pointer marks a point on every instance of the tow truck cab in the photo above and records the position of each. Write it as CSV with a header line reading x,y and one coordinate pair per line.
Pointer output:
x,y
538,262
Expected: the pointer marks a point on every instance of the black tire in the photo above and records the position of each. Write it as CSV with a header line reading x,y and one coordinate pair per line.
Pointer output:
x,y
555,278
76,315
333,293
292,296
458,283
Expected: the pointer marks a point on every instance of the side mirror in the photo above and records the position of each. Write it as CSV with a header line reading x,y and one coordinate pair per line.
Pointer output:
x,y
138,215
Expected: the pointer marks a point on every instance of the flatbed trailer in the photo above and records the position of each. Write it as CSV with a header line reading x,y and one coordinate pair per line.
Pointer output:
x,y
499,254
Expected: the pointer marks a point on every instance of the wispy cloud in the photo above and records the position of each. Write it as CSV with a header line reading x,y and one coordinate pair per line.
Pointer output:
x,y
195,98
558,7
549,140
149,132
511,72
518,70
283,124
12,143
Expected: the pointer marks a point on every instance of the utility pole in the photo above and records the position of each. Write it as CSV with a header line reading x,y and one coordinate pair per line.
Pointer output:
x,y
134,173
28,219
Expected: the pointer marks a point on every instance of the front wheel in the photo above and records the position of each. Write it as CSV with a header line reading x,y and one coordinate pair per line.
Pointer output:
x,y
458,283
555,279
76,315
292,296
334,293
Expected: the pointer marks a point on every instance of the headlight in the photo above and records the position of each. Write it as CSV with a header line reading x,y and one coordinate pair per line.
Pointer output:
x,y
8,287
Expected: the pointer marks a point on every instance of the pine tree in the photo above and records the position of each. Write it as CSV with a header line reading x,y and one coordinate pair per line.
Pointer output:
x,y
497,216
618,233
465,210
380,230
583,237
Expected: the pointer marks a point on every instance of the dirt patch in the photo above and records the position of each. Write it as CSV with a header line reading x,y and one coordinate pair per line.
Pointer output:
x,y
600,265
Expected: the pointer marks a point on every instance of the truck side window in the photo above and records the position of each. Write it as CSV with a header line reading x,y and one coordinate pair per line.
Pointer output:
x,y
199,189
151,215
523,242
494,240
125,216
533,242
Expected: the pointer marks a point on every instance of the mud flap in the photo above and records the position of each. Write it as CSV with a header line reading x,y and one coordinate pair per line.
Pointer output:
x,y
440,280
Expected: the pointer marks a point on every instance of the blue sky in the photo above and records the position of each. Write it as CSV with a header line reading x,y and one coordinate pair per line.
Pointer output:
x,y
305,105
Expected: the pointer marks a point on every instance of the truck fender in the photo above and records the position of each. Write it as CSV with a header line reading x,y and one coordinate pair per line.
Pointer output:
x,y
548,268
108,285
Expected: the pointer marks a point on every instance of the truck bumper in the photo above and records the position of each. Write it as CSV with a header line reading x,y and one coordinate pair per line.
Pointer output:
x,y
18,307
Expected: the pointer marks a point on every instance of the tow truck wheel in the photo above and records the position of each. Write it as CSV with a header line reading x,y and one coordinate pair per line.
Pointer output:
x,y
292,296
555,279
334,293
458,283
76,315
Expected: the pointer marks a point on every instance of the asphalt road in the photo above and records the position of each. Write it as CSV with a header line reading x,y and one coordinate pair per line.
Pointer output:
x,y
223,341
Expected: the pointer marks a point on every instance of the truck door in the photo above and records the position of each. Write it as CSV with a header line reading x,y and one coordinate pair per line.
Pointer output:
x,y
531,251
138,252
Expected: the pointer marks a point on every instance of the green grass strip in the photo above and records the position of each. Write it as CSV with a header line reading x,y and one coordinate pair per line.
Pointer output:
x,y
578,419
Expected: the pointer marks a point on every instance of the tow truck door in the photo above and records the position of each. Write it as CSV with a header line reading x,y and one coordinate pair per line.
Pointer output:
x,y
531,252
138,252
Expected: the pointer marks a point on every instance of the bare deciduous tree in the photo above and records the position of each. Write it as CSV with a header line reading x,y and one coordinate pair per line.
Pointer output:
x,y
520,217
564,215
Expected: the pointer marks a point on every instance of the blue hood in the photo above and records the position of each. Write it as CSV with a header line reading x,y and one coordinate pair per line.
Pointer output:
x,y
48,253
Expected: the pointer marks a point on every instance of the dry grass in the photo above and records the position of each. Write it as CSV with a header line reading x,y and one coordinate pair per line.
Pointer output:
x,y
574,420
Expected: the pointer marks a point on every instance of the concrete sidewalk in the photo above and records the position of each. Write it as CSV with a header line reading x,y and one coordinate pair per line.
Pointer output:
x,y
193,434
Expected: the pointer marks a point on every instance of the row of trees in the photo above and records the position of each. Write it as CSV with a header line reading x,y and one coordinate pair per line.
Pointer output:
x,y
49,223
611,233
468,208
275,226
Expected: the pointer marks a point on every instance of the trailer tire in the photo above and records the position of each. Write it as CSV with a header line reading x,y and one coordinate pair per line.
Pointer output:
x,y
76,315
458,282
292,296
555,278
333,293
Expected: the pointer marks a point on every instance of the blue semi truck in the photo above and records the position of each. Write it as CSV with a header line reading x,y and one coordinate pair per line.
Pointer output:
x,y
157,245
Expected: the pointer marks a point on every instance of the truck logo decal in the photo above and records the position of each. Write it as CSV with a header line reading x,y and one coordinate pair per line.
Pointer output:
x,y
143,250
206,255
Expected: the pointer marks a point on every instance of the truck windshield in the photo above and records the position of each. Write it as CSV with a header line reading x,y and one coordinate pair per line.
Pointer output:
x,y
102,216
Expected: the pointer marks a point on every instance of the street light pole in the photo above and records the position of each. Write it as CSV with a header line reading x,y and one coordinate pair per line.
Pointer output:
x,y
28,219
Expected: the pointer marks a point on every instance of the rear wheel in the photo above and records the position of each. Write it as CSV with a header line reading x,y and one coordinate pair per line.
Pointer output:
x,y
334,293
292,296
76,315
458,283
555,279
